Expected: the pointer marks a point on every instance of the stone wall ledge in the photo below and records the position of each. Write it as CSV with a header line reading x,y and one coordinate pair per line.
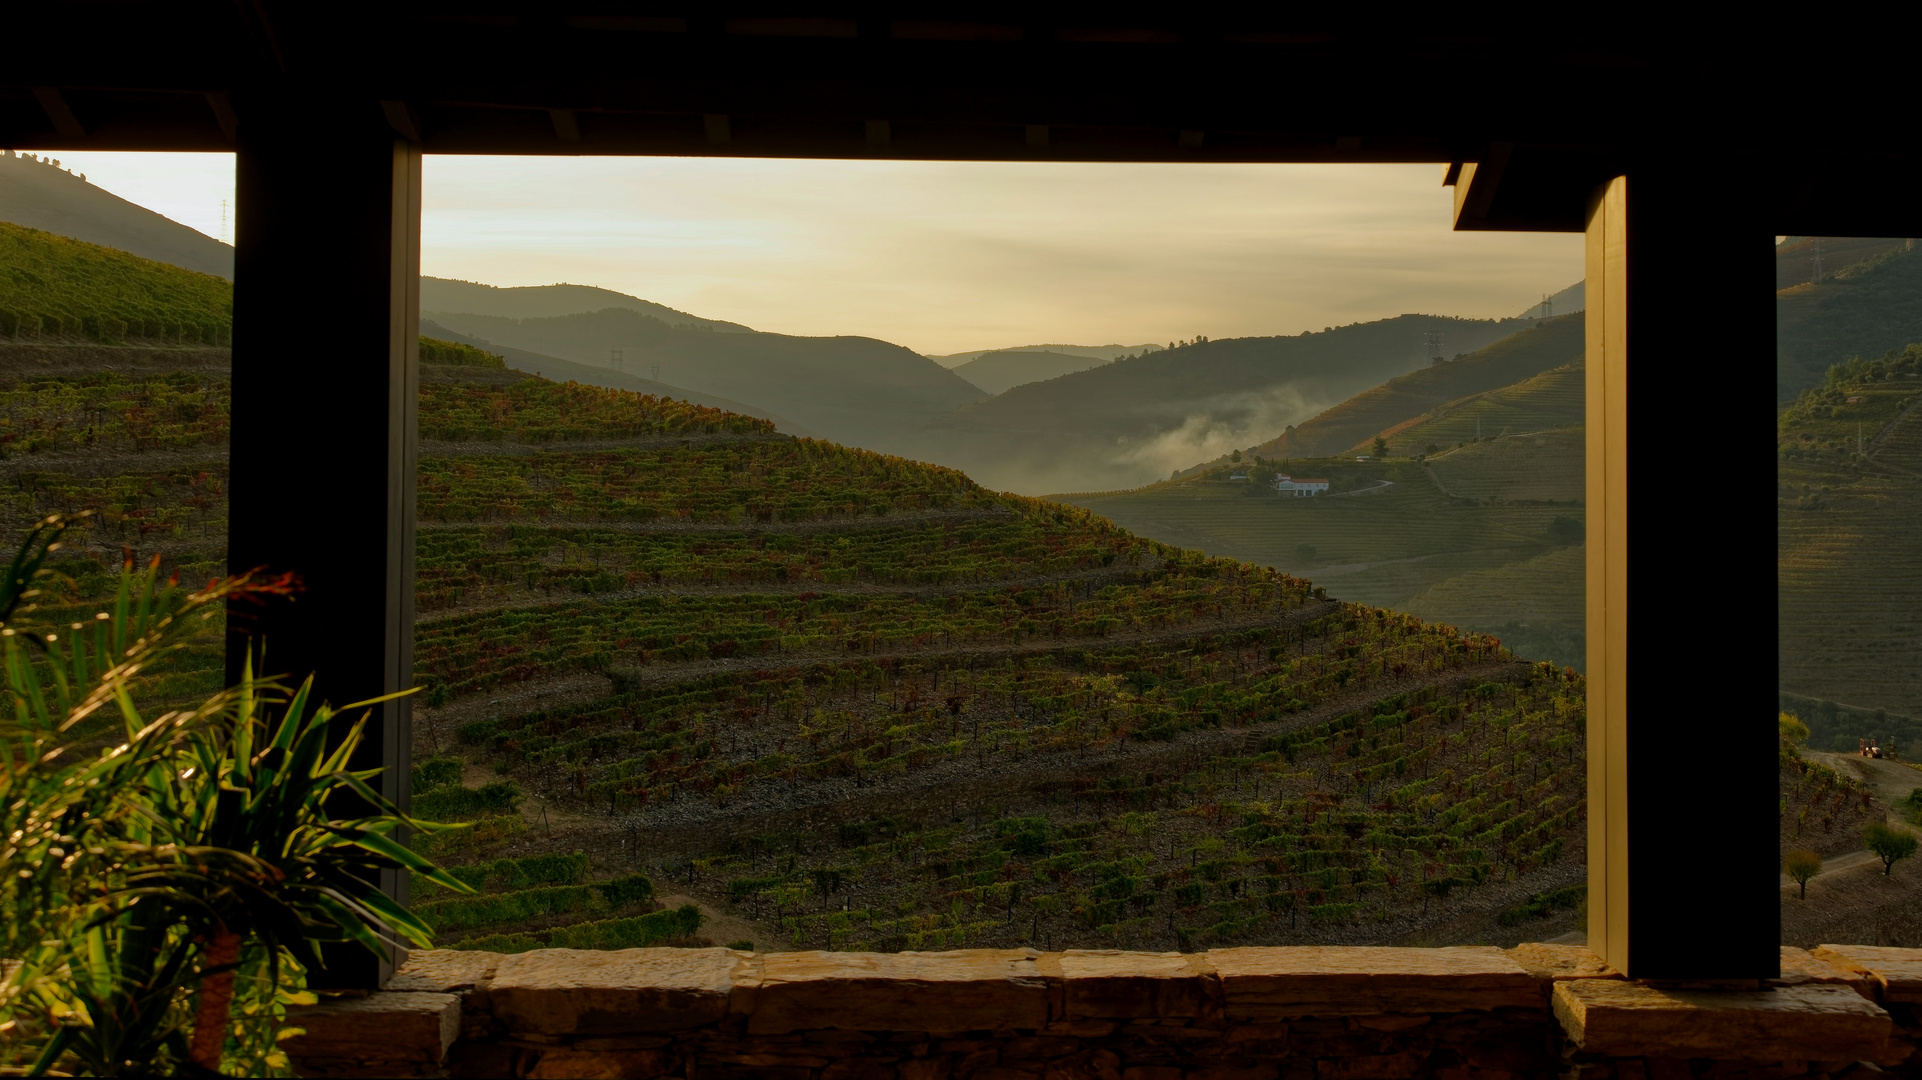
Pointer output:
x,y
1334,1011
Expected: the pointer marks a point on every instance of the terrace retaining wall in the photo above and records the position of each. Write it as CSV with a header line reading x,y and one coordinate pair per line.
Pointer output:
x,y
1291,1013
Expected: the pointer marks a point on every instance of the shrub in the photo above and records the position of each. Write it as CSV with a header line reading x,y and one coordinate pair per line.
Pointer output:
x,y
436,772
621,891
455,801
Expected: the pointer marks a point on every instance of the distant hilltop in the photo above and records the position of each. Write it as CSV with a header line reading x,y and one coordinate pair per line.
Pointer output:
x,y
38,193
1103,353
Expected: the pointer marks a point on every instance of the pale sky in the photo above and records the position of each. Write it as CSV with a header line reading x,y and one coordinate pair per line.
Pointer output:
x,y
945,256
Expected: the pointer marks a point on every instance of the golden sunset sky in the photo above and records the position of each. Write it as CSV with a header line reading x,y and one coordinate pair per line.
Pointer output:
x,y
945,256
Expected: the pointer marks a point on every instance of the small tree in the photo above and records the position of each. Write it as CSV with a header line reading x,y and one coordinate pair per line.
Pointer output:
x,y
1235,457
1381,447
1889,845
1800,866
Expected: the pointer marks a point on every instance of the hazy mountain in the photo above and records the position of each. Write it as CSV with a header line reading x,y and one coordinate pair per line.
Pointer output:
x,y
548,301
1864,308
1795,256
1131,422
553,367
1381,410
1096,352
998,371
851,389
40,195
1569,300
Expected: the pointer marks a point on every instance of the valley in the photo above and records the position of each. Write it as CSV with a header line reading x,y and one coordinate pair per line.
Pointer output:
x,y
845,699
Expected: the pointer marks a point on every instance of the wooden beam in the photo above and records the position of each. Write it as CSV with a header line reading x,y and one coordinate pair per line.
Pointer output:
x,y
223,110
324,469
54,104
401,117
1475,185
1683,819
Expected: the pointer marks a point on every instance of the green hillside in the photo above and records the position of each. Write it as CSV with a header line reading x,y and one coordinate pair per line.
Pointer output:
x,y
53,288
553,367
996,372
548,301
1136,420
1406,398
857,390
1541,403
682,672
1864,310
1795,256
38,194
1433,527
1849,476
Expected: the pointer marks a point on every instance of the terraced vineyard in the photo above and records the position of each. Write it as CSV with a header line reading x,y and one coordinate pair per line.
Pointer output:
x,y
1350,828
1406,529
687,677
1849,488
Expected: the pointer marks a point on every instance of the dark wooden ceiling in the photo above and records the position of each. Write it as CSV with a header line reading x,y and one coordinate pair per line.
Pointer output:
x,y
1545,107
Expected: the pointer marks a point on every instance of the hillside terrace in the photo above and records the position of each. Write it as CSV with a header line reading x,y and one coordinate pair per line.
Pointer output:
x,y
1685,977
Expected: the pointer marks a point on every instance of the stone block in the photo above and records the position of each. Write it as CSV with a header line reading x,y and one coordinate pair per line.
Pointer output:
x,y
1808,1022
598,1065
1108,983
1896,973
623,992
1557,962
864,1069
444,971
1237,1072
1800,966
1396,1066
930,1068
966,990
1090,1065
382,1034
1150,1072
1267,983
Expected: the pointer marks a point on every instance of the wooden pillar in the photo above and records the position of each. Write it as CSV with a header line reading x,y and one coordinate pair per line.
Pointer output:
x,y
1682,802
325,383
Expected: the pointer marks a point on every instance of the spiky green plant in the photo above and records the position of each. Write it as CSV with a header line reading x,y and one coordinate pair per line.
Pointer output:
x,y
157,871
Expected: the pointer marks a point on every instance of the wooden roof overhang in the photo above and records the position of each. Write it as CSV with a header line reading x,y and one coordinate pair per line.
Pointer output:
x,y
1680,143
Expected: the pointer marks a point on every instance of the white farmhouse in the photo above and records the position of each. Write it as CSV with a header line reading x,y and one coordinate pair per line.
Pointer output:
x,y
1299,486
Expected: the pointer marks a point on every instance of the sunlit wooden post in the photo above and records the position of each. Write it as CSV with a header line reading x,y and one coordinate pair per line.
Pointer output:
x,y
1682,802
326,318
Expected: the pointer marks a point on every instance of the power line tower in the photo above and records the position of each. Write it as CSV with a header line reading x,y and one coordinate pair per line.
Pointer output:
x,y
618,358
1433,339
1816,275
223,222
1548,306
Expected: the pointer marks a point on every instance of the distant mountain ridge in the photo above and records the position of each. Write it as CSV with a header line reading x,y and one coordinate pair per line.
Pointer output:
x,y
998,372
1567,302
36,193
854,390
559,370
1864,308
1130,422
1097,352
548,301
